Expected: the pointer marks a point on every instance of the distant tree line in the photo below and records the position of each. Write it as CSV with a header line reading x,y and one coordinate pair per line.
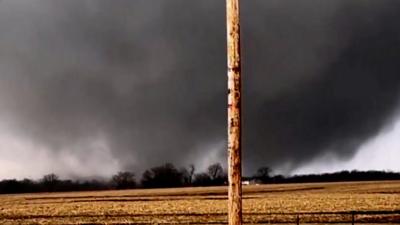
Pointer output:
x,y
264,176
168,175
163,176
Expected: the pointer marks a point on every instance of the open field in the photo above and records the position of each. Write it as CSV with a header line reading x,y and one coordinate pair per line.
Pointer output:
x,y
263,204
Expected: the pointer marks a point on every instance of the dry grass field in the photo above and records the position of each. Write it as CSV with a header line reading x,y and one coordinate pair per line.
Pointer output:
x,y
263,204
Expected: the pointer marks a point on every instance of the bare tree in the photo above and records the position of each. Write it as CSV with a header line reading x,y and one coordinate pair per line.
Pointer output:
x,y
215,171
50,181
162,176
188,174
124,180
192,170
264,174
186,180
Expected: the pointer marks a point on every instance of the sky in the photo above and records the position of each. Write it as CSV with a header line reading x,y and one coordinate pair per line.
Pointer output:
x,y
92,87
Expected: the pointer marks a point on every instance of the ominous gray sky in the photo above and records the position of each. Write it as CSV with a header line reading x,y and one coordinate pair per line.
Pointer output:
x,y
90,87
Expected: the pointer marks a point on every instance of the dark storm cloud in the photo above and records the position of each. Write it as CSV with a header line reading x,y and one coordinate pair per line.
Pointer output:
x,y
148,77
352,98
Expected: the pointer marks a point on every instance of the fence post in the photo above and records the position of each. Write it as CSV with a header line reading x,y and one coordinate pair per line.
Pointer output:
x,y
352,217
298,219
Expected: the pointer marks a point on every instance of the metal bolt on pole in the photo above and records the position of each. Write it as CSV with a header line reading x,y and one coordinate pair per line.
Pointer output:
x,y
234,113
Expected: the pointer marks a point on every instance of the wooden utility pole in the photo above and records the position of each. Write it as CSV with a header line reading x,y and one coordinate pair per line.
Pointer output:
x,y
234,113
